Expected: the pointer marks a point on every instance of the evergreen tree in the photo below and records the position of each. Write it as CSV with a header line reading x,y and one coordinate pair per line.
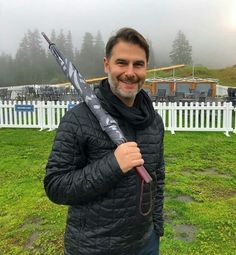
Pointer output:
x,y
69,47
22,64
181,50
6,70
152,61
99,52
33,64
76,57
85,61
37,57
61,41
54,73
53,36
30,60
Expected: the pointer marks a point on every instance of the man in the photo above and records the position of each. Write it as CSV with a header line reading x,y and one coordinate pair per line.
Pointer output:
x,y
111,210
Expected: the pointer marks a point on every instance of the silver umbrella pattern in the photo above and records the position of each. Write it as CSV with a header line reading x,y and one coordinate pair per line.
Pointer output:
x,y
107,123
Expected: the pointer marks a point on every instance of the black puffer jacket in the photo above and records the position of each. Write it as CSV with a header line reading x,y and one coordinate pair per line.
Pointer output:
x,y
104,204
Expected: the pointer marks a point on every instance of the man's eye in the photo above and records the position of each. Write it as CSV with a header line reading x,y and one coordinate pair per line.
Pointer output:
x,y
139,64
120,62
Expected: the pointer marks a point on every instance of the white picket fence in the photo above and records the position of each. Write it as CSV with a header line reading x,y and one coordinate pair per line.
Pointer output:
x,y
176,117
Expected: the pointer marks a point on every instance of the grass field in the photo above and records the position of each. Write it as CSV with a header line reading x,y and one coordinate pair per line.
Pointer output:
x,y
200,207
226,76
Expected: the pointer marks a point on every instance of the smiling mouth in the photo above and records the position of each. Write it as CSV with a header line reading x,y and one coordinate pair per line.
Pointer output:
x,y
129,81
129,84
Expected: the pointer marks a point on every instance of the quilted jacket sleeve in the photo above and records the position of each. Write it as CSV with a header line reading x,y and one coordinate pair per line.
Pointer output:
x,y
69,179
159,195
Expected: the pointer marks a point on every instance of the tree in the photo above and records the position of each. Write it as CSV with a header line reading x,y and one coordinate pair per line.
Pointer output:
x,y
152,61
69,53
181,50
30,60
33,64
6,70
53,72
37,57
64,44
22,61
99,52
86,55
61,41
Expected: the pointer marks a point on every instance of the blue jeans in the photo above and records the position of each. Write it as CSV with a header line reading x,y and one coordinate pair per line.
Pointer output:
x,y
151,247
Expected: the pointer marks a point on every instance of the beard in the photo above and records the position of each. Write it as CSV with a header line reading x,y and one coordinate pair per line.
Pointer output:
x,y
114,85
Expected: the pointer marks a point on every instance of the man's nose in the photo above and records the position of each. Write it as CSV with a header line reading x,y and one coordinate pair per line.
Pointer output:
x,y
130,71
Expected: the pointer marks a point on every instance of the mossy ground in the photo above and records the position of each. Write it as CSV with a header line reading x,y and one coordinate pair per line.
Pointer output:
x,y
200,193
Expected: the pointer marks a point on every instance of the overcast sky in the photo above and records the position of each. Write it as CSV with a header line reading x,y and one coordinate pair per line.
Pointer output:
x,y
209,25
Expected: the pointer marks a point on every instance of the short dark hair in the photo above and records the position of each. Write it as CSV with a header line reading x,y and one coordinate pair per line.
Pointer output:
x,y
129,35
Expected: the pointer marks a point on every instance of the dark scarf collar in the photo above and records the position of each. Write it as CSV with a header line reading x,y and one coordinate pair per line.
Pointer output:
x,y
139,116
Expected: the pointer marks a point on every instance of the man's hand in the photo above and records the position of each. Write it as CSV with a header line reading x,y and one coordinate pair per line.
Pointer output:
x,y
128,156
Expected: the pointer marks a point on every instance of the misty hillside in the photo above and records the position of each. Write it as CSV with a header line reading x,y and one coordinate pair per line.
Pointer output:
x,y
226,76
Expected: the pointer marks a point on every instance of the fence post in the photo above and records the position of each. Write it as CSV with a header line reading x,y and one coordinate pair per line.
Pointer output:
x,y
1,114
49,113
234,113
227,119
173,113
230,115
40,114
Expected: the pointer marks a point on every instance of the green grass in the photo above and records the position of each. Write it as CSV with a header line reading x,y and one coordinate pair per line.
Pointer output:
x,y
226,76
200,192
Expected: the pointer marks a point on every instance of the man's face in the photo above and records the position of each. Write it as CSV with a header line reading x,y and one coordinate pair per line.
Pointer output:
x,y
126,69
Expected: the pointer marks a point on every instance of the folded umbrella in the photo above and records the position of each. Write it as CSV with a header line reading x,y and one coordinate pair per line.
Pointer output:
x,y
107,123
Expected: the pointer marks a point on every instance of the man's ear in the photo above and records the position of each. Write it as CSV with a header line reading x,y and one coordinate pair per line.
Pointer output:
x,y
106,65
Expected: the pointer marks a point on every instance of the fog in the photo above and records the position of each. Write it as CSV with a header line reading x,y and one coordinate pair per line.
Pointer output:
x,y
209,25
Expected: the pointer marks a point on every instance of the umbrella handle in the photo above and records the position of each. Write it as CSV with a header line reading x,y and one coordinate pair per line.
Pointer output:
x,y
143,174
